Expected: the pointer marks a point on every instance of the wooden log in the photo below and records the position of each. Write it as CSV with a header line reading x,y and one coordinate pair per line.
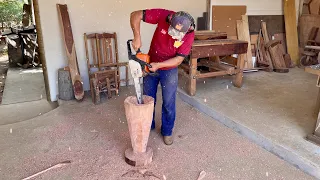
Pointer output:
x,y
65,85
291,29
139,119
67,35
243,34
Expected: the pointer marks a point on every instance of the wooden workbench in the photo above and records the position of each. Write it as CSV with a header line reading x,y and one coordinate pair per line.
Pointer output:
x,y
207,52
315,137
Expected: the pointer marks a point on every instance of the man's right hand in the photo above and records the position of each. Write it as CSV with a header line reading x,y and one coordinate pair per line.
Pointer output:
x,y
136,44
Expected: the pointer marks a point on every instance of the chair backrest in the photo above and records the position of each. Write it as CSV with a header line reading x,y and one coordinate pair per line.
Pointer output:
x,y
104,50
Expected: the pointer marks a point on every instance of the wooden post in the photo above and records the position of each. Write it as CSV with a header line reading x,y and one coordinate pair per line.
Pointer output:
x,y
192,77
208,14
291,29
139,118
237,82
41,47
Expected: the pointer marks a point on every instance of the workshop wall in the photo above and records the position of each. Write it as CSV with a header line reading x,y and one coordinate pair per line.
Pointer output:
x,y
98,16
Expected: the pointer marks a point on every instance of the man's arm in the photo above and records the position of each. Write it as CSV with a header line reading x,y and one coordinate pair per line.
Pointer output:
x,y
173,62
135,21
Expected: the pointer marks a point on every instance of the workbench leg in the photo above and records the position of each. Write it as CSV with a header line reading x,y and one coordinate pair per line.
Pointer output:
x,y
237,82
192,77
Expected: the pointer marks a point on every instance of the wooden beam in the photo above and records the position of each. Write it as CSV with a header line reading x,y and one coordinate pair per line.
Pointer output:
x,y
220,47
291,29
212,74
67,35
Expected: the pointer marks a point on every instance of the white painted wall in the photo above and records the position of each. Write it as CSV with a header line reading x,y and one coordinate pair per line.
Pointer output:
x,y
256,7
98,16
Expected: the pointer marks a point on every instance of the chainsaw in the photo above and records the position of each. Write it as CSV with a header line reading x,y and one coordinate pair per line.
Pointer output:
x,y
139,66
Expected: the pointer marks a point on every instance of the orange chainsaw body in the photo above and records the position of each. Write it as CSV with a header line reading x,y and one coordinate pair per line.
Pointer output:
x,y
145,58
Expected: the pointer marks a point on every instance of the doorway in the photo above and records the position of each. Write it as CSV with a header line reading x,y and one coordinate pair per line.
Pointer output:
x,y
23,80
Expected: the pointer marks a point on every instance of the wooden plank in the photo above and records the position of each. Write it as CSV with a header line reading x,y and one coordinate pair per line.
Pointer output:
x,y
291,29
224,18
243,34
218,48
266,39
67,35
281,37
276,53
315,69
207,35
94,52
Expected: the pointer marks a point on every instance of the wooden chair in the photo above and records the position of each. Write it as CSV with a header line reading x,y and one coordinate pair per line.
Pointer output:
x,y
103,64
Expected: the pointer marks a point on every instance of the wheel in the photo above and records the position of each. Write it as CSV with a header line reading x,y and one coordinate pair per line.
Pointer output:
x,y
306,60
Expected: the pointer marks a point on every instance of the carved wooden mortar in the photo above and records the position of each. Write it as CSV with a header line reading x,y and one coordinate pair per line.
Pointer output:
x,y
139,118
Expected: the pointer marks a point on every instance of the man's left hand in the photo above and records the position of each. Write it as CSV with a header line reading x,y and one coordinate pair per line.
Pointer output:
x,y
155,67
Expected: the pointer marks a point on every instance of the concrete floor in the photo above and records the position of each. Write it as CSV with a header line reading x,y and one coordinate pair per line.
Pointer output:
x,y
24,85
94,139
273,110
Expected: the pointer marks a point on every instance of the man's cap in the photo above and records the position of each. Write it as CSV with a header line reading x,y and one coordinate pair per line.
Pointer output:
x,y
182,21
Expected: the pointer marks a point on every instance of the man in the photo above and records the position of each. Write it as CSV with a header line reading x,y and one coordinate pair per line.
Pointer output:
x,y
171,43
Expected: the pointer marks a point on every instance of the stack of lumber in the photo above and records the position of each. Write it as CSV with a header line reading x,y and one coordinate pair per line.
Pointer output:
x,y
265,34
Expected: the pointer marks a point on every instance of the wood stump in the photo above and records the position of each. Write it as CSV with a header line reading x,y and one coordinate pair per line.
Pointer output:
x,y
139,118
65,85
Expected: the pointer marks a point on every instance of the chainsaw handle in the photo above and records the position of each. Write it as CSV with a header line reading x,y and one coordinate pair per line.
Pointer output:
x,y
134,57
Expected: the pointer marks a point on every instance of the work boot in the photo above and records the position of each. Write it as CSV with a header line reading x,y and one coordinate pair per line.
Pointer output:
x,y
168,140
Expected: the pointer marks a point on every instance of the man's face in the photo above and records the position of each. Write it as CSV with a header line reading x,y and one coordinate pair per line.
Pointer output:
x,y
175,33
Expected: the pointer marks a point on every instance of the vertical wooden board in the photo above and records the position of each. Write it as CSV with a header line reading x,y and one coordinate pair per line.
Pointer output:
x,y
291,29
224,18
314,7
67,35
243,34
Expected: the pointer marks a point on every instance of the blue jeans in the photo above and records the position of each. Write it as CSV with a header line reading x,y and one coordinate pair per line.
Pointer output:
x,y
169,82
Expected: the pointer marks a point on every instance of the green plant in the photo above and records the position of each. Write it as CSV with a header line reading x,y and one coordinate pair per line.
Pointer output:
x,y
10,11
